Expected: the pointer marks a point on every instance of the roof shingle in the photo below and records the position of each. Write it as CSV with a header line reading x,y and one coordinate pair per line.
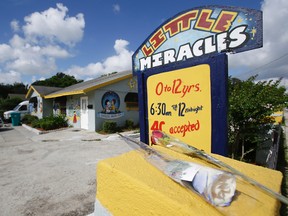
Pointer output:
x,y
81,88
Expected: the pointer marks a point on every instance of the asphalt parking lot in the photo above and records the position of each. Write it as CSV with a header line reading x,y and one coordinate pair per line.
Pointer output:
x,y
53,173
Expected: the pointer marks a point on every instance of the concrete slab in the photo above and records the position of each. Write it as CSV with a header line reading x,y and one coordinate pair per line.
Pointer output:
x,y
54,173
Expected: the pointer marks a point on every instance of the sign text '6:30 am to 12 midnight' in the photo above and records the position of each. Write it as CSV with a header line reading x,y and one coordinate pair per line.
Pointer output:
x,y
181,108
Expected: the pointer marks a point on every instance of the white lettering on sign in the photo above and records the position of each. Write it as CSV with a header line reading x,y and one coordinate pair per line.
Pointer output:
x,y
224,41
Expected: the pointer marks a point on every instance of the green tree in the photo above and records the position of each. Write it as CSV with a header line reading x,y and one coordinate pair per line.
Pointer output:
x,y
58,80
16,88
8,104
251,104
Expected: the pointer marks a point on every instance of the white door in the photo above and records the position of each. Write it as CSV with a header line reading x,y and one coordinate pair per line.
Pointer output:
x,y
84,112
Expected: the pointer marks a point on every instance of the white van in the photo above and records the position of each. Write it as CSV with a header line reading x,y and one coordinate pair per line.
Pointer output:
x,y
22,108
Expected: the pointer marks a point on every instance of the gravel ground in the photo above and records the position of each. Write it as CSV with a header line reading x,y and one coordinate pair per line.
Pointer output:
x,y
54,173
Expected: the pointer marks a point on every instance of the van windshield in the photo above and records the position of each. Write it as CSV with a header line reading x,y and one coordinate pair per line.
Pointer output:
x,y
17,107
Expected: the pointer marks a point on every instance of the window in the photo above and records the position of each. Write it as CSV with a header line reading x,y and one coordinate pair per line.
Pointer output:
x,y
23,108
60,105
131,100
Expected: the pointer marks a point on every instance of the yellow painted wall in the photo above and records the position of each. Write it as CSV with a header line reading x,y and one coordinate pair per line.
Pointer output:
x,y
129,185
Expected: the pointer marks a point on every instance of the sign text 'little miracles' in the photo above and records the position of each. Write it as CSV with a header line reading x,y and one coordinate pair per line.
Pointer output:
x,y
200,32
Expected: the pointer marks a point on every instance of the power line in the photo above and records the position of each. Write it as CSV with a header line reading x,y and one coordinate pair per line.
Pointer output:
x,y
255,69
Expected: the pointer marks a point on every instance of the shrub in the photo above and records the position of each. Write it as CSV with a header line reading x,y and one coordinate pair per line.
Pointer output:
x,y
59,121
28,119
36,124
50,123
110,127
1,113
129,124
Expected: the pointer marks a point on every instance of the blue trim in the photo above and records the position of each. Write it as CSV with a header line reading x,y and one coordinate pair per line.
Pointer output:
x,y
142,105
218,76
219,89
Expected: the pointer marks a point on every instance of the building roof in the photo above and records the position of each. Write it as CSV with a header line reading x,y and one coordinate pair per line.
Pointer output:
x,y
84,87
11,95
41,90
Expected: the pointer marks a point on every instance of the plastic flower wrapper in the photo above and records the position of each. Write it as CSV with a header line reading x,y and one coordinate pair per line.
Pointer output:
x,y
215,186
162,139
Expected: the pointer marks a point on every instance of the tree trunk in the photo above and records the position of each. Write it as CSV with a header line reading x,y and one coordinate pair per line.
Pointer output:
x,y
235,146
242,150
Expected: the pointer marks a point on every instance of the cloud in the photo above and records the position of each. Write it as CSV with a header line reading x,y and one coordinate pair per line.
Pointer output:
x,y
15,25
271,60
45,37
26,58
120,62
116,8
54,25
10,77
32,65
6,53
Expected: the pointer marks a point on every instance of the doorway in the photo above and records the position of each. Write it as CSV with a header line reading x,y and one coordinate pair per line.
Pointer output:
x,y
84,112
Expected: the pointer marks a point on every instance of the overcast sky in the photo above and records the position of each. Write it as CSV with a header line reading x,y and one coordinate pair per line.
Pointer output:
x,y
272,59
40,38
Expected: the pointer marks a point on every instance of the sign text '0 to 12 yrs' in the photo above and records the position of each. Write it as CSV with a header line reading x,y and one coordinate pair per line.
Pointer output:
x,y
176,87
